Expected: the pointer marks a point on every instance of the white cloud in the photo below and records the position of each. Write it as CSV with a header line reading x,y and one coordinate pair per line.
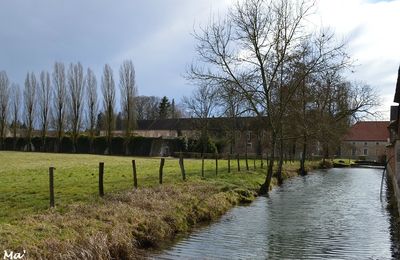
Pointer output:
x,y
372,30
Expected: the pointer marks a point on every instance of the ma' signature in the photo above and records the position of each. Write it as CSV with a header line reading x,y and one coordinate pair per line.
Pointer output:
x,y
13,255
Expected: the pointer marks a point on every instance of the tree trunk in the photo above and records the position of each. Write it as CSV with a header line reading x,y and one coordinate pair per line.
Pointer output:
x,y
302,170
264,189
15,138
279,171
43,148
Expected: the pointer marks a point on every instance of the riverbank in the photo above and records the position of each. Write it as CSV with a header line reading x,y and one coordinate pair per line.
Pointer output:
x,y
124,223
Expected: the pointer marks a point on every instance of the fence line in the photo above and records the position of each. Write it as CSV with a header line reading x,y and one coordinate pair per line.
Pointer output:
x,y
181,162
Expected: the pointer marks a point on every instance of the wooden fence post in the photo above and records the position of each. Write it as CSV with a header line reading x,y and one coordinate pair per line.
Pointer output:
x,y
202,166
134,174
229,162
238,162
101,174
182,166
247,162
216,164
162,161
51,184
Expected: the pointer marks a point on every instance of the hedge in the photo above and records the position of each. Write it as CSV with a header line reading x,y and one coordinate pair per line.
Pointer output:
x,y
138,145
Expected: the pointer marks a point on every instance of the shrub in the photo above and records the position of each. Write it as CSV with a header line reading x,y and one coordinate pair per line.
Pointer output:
x,y
220,145
50,144
21,142
196,146
83,144
139,145
100,144
8,143
37,143
66,144
117,145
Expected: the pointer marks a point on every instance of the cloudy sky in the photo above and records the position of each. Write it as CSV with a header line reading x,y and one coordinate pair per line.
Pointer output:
x,y
156,35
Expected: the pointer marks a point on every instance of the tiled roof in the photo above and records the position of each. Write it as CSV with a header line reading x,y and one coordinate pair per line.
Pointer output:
x,y
217,123
368,131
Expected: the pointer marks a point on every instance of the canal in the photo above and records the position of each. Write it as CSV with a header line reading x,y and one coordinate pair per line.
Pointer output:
x,y
334,214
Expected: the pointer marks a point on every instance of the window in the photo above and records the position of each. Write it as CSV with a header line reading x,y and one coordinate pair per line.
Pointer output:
x,y
365,151
365,144
353,151
248,136
377,143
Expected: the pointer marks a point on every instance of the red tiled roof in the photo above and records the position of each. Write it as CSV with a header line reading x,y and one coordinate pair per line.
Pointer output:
x,y
368,131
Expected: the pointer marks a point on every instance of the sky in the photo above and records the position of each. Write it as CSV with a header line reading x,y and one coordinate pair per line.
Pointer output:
x,y
157,36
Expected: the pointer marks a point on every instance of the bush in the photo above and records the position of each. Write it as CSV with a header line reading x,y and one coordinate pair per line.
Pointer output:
x,y
141,146
179,144
138,145
100,144
83,144
117,145
50,144
37,143
66,144
8,143
21,143
220,145
196,146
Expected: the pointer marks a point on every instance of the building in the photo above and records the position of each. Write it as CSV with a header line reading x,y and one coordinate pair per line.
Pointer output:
x,y
366,140
393,158
238,135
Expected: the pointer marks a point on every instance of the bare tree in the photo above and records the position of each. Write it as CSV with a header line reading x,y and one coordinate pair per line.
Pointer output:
x,y
343,103
15,111
202,104
128,90
147,107
253,50
233,106
92,104
31,87
60,101
177,110
4,102
76,92
108,89
45,97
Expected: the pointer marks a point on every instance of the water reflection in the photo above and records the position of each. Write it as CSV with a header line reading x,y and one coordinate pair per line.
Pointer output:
x,y
330,214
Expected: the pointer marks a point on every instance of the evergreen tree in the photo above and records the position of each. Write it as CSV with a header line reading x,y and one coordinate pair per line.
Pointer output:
x,y
164,108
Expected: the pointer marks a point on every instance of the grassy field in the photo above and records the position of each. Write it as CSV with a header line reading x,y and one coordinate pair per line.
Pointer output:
x,y
125,221
24,186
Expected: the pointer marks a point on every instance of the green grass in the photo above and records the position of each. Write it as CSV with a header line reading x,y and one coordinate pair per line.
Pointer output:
x,y
344,162
24,186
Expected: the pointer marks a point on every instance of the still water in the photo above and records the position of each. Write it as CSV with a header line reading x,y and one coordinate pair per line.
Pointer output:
x,y
334,214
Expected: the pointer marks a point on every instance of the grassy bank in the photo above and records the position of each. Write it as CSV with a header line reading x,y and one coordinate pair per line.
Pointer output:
x,y
123,222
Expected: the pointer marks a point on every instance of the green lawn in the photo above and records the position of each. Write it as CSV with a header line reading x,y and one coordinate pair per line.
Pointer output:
x,y
24,186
